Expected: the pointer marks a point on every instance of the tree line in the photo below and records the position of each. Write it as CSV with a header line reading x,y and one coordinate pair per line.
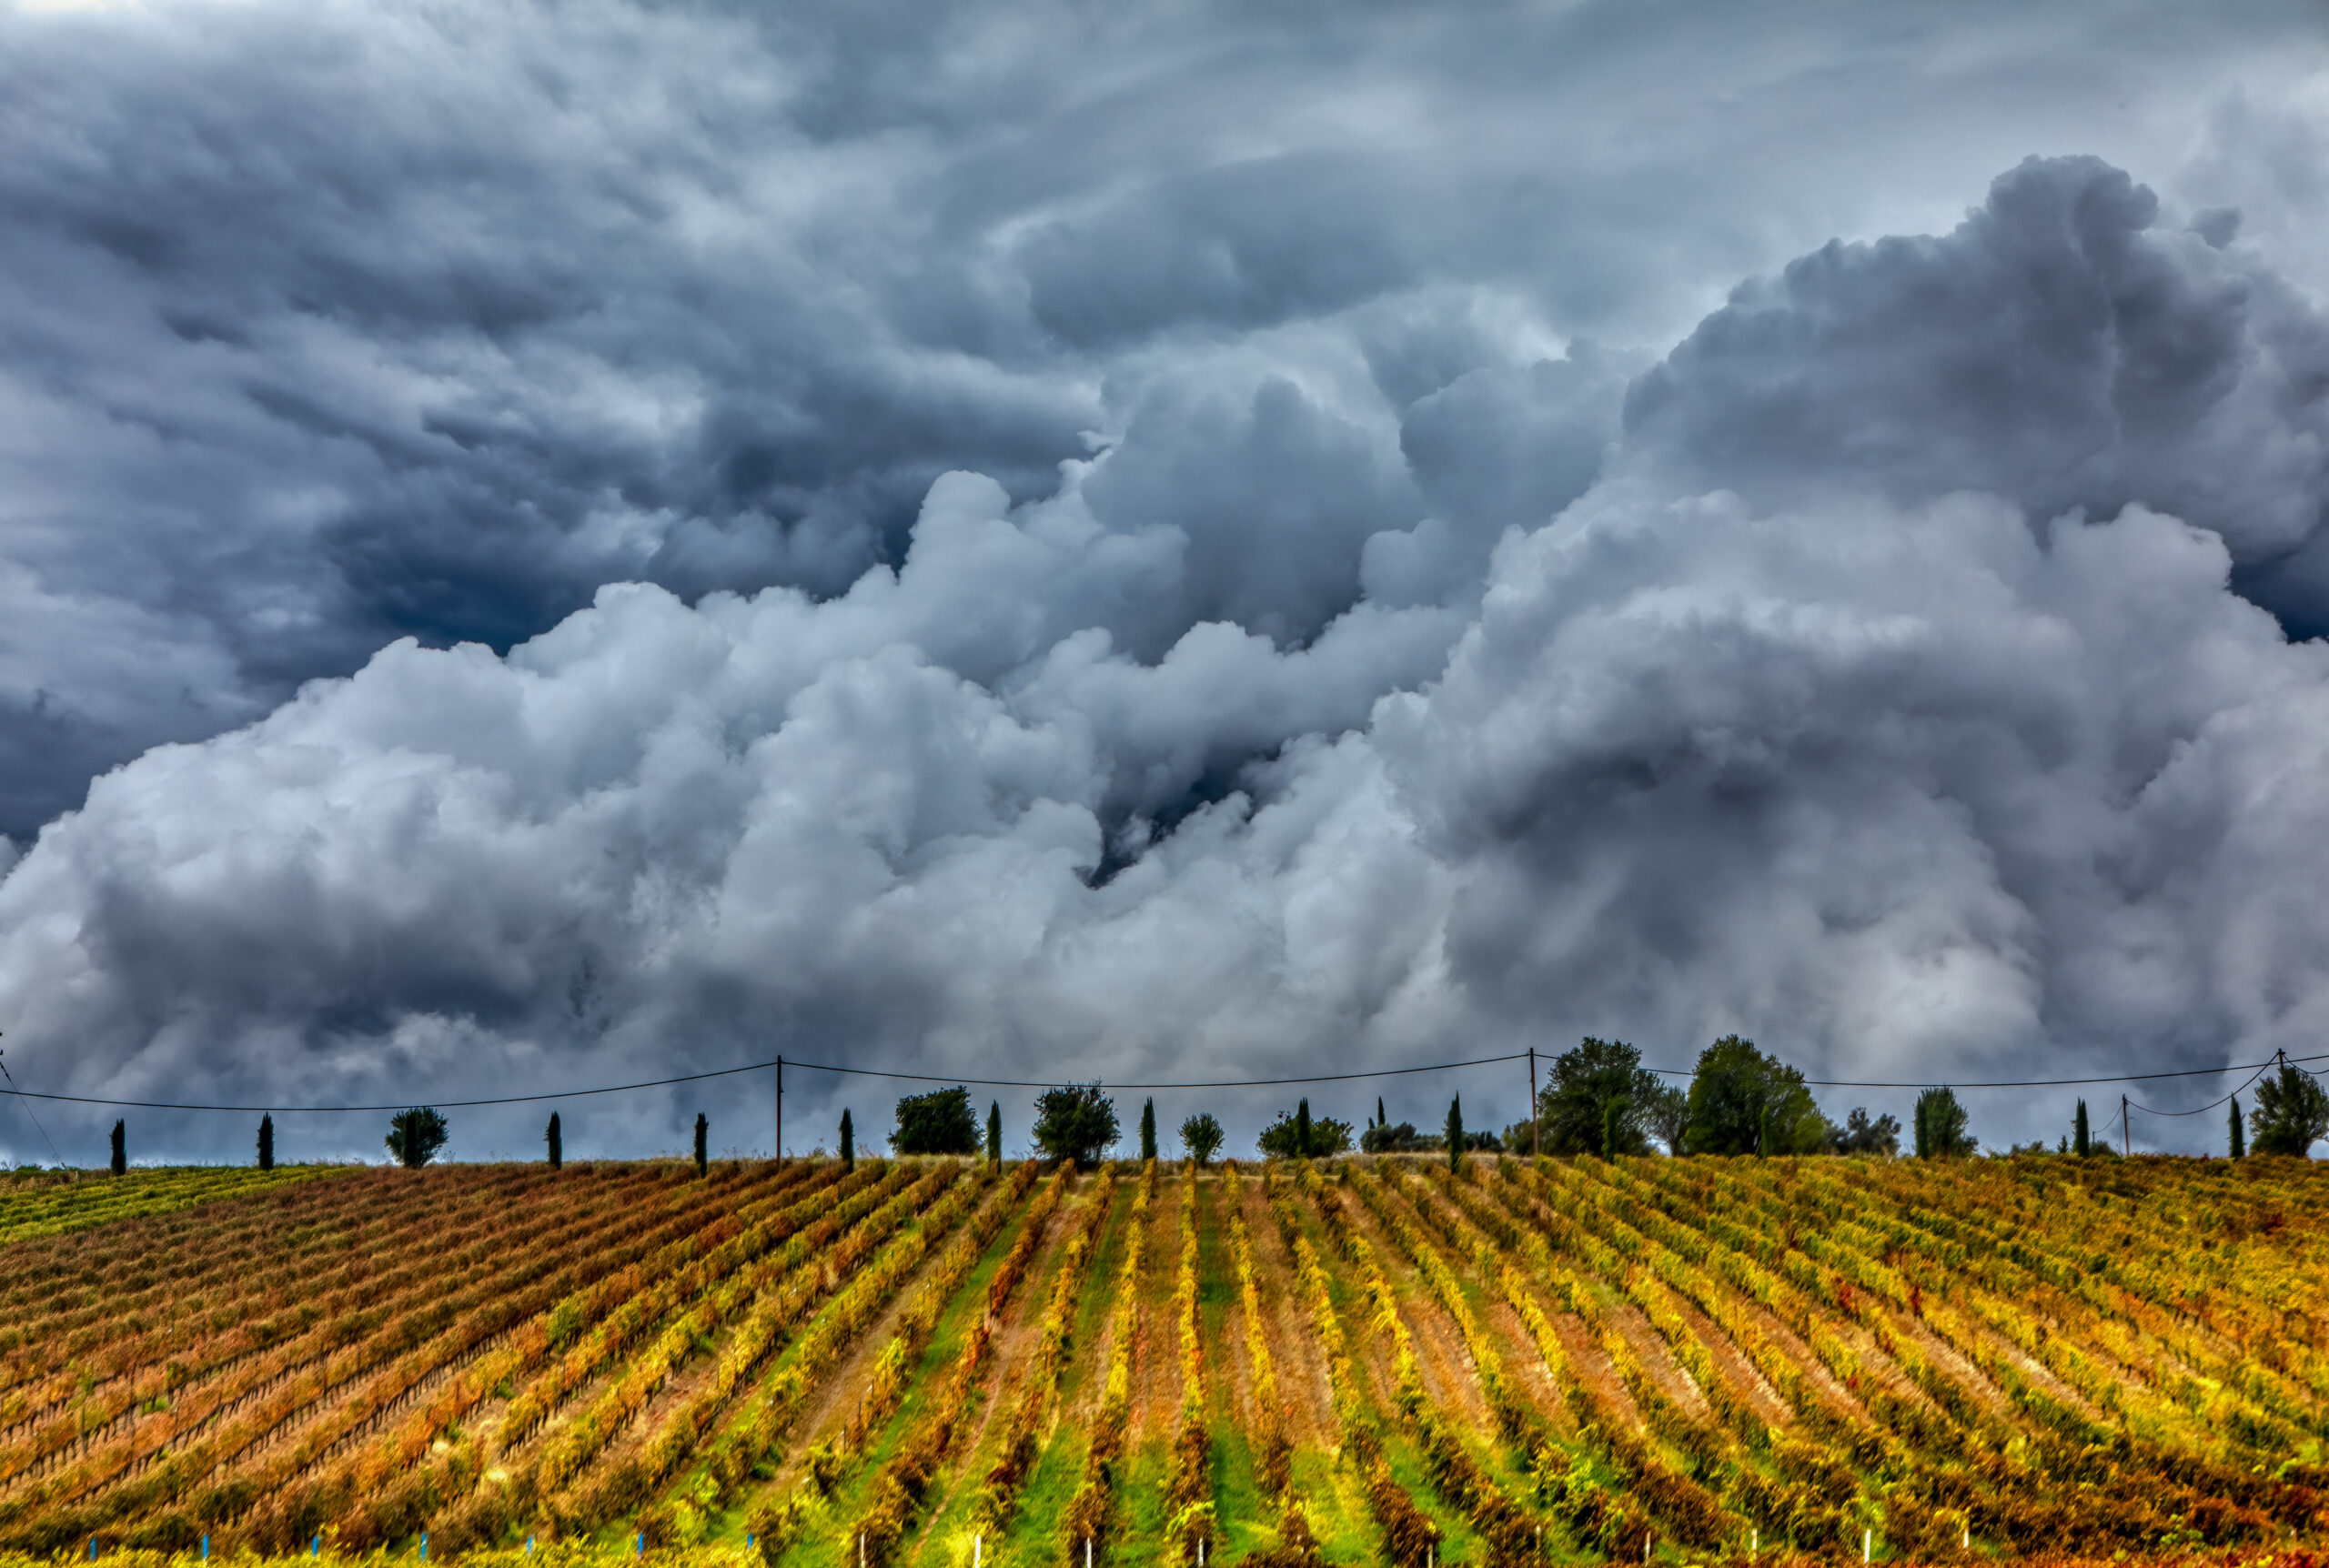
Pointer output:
x,y
1598,1100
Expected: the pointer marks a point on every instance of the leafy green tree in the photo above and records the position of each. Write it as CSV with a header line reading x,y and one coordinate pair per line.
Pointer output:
x,y
551,1136
1202,1136
1456,1132
1943,1130
1385,1138
994,1133
702,1144
267,1142
1858,1135
1301,1136
1744,1102
1148,1129
2081,1144
1574,1109
1666,1116
1076,1121
939,1123
2239,1136
2291,1113
848,1141
416,1135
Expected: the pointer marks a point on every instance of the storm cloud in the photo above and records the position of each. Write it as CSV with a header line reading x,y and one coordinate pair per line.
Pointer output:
x,y
541,544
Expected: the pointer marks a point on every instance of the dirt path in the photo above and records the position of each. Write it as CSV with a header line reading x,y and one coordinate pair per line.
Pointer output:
x,y
1021,1324
1156,1340
1650,1350
1816,1376
1734,1367
844,1383
1449,1379
1593,1366
1299,1361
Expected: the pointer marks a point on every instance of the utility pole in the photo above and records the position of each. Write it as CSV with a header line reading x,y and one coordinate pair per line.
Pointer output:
x,y
1536,1133
2126,1143
780,1110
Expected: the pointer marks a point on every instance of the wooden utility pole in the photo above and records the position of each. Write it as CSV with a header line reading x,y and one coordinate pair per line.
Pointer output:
x,y
779,1110
2126,1139
1536,1133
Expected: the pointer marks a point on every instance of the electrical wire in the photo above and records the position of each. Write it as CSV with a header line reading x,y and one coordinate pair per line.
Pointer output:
x,y
19,1093
2253,1077
1046,1083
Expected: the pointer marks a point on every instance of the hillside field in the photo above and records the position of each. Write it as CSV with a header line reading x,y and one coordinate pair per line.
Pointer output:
x,y
938,1363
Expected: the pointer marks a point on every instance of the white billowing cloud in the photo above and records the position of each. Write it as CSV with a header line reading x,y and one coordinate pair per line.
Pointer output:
x,y
1900,792
657,835
1903,794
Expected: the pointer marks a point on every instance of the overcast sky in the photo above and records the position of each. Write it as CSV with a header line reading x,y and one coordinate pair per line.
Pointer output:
x,y
545,545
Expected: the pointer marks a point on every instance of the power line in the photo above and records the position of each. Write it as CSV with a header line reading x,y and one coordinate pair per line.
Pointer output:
x,y
2019,1082
2253,1077
45,1138
1046,1083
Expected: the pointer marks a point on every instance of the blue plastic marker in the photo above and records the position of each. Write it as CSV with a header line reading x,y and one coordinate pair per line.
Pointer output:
x,y
641,1551
530,1546
205,1548
93,1549
424,1546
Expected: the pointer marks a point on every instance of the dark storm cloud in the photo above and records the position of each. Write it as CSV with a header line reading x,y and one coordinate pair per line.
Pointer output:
x,y
1154,540
319,327
2061,348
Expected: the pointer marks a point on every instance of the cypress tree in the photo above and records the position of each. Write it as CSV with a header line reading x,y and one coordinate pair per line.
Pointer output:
x,y
2078,1131
1381,1119
267,1142
557,1144
1924,1135
1148,1129
1302,1128
703,1131
1613,1128
848,1143
1455,1133
120,1148
2239,1133
994,1133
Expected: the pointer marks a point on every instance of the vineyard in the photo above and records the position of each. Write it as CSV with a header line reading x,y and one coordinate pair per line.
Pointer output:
x,y
947,1364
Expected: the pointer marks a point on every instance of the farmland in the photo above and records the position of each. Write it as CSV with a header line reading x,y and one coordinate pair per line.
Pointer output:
x,y
929,1363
